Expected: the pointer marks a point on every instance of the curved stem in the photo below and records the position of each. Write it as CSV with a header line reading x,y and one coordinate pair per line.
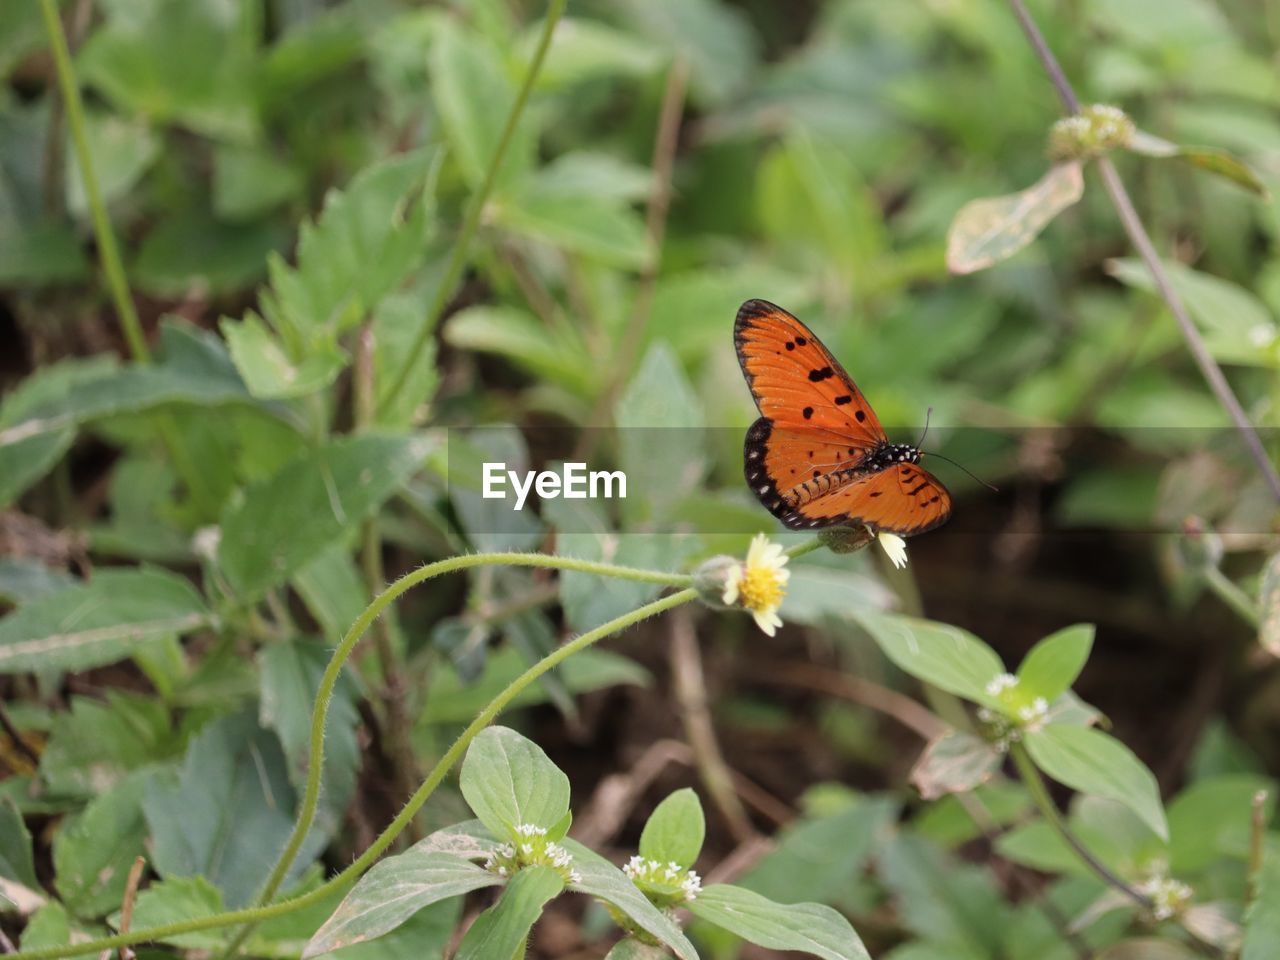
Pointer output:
x,y
458,256
1035,785
112,265
254,915
333,671
1141,240
1232,596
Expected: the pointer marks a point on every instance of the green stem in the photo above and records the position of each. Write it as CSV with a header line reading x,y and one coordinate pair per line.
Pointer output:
x,y
107,249
254,915
807,547
311,794
1230,594
458,256
1035,785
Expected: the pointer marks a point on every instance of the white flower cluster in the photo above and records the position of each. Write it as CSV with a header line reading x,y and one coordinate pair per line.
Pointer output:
x,y
1001,683
667,877
1031,716
1168,895
1000,732
532,849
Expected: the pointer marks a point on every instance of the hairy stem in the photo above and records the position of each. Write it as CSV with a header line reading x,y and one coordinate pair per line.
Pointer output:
x,y
458,256
1141,240
255,915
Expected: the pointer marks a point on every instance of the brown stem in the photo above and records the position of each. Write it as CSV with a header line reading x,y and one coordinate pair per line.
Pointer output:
x,y
1141,240
691,694
126,907
19,742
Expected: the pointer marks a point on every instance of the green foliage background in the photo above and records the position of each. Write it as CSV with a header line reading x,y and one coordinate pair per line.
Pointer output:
x,y
289,180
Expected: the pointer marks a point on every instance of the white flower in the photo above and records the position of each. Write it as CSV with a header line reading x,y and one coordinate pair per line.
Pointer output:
x,y
760,584
1005,681
894,547
1034,714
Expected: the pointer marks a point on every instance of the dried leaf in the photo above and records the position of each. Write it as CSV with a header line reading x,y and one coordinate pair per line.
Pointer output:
x,y
1210,159
954,763
992,229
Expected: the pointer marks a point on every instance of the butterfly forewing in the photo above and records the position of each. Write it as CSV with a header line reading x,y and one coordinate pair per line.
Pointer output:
x,y
795,380
811,458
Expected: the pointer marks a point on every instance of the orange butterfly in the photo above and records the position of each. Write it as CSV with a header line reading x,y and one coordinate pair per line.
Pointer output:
x,y
818,457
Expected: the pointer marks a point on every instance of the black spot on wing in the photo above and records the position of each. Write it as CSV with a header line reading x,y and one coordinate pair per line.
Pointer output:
x,y
817,376
841,401
860,415
807,412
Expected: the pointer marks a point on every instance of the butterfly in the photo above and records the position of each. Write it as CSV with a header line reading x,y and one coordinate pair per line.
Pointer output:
x,y
818,457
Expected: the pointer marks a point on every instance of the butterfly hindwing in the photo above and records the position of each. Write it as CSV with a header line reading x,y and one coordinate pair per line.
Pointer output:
x,y
795,380
903,499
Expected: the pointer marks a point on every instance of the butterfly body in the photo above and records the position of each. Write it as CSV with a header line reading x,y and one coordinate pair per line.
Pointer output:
x,y
818,457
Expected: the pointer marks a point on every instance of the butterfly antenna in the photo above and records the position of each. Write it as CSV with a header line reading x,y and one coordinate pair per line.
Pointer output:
x,y
927,414
989,486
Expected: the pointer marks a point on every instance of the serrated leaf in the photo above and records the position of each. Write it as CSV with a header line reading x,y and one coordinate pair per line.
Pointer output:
x,y
954,763
1053,664
503,929
94,850
608,232
393,891
1211,159
99,622
992,229
1094,763
285,521
507,781
93,746
19,889
630,949
516,335
601,879
812,928
675,830
266,367
945,656
226,812
175,900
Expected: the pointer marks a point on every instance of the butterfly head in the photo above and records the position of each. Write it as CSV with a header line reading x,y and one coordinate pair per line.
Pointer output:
x,y
890,453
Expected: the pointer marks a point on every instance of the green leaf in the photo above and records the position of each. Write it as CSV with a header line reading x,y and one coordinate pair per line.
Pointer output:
x,y
427,934
331,587
954,763
285,521
1262,922
393,891
19,888
1269,607
662,446
675,830
597,229
1238,327
474,94
290,676
992,229
175,900
187,248
516,335
398,320
52,926
177,61
451,700
251,181
99,622
601,879
193,370
945,656
268,371
807,927
1213,160
583,50
93,746
1053,664
1148,948
95,849
226,812
1094,763
1212,819
714,39
503,929
507,781
630,949
825,851
122,150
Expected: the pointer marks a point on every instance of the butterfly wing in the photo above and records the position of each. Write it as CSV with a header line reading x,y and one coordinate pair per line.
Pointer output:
x,y
902,499
814,420
795,380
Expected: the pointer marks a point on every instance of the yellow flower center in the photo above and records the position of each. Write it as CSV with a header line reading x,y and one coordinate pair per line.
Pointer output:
x,y
761,589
